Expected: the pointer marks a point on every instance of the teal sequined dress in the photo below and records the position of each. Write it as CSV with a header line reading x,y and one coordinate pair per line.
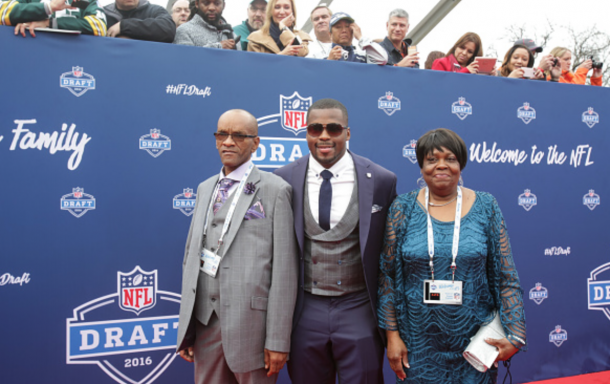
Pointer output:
x,y
437,335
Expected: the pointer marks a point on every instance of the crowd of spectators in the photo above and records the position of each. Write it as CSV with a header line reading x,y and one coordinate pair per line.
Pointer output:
x,y
270,27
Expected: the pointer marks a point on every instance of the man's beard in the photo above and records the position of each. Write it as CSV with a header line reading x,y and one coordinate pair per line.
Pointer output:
x,y
256,24
216,22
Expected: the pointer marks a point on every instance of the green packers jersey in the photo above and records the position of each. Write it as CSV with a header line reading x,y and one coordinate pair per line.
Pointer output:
x,y
91,20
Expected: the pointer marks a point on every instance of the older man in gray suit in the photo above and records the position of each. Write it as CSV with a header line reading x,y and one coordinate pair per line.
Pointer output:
x,y
240,266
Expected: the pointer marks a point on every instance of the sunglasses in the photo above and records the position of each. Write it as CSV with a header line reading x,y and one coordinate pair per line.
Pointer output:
x,y
237,137
333,129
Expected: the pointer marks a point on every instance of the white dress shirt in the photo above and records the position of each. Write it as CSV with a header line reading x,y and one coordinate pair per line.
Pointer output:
x,y
342,184
236,175
318,49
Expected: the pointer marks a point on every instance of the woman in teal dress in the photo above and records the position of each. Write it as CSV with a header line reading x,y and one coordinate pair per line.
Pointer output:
x,y
426,341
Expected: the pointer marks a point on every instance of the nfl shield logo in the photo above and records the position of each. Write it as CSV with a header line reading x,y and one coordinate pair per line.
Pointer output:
x,y
526,113
293,110
590,117
78,202
185,202
155,143
137,290
408,151
591,200
527,200
78,82
389,103
558,336
461,108
598,286
538,293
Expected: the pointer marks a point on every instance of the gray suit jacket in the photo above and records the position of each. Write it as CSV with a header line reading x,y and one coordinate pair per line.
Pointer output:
x,y
257,274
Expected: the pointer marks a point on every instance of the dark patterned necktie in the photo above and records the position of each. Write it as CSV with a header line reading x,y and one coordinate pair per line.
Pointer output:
x,y
326,198
223,193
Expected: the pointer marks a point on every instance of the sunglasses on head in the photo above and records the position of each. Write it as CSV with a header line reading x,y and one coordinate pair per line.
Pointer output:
x,y
333,129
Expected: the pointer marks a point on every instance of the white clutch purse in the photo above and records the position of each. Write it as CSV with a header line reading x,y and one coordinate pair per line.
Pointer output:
x,y
480,354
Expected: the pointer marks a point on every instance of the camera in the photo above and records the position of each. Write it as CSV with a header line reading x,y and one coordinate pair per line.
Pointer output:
x,y
596,64
555,62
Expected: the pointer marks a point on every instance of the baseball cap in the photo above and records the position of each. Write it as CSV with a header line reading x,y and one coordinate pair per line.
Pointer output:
x,y
338,17
530,44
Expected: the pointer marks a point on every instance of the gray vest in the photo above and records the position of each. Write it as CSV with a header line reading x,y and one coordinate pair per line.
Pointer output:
x,y
207,299
333,264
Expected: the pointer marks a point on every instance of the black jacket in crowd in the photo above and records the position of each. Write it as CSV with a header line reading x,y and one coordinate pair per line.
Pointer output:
x,y
145,22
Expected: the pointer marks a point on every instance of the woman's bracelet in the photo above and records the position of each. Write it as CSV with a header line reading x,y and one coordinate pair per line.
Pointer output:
x,y
520,340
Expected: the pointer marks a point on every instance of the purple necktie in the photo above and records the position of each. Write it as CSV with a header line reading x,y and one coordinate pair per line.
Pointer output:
x,y
223,193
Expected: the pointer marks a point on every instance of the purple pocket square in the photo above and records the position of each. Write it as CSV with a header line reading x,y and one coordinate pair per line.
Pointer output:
x,y
256,211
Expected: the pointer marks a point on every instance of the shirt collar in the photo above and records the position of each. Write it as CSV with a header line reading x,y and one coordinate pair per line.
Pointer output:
x,y
341,167
237,174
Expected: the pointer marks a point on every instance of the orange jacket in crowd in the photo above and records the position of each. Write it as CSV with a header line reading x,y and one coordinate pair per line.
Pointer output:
x,y
579,77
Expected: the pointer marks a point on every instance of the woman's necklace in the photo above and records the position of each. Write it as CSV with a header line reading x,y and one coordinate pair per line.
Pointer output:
x,y
442,205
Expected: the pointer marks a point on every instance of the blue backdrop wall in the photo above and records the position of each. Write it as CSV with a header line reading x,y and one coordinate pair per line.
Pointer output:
x,y
104,141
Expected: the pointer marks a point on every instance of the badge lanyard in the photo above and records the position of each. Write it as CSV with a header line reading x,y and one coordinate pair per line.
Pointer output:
x,y
456,233
229,216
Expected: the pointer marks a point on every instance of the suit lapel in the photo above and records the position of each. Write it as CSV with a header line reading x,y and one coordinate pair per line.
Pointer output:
x,y
245,202
298,184
366,187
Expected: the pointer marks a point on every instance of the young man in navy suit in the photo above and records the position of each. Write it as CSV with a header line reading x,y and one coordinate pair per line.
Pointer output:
x,y
340,203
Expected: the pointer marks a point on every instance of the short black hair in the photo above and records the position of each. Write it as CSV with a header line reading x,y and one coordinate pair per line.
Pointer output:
x,y
328,104
437,139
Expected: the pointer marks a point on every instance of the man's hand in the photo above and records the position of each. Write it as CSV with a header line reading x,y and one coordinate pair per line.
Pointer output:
x,y
114,31
397,354
187,354
336,53
274,361
507,350
357,31
287,21
409,61
228,44
59,5
21,27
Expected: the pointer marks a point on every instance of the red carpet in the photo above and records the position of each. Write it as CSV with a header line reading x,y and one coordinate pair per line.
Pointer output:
x,y
591,378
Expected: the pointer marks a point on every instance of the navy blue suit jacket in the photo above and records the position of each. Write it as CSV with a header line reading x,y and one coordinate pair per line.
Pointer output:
x,y
376,186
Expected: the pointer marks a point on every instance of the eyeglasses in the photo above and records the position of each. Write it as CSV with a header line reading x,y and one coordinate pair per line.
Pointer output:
x,y
333,129
237,137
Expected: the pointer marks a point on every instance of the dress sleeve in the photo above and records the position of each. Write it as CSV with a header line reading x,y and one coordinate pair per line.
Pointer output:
x,y
504,280
390,268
